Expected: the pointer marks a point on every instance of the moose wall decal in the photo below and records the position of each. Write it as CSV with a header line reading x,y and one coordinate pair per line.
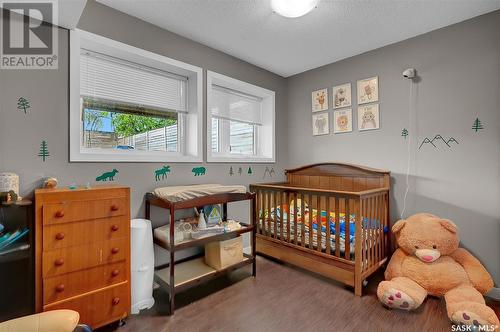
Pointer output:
x,y
162,173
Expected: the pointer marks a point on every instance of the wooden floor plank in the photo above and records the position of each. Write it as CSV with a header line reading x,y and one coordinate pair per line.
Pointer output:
x,y
282,298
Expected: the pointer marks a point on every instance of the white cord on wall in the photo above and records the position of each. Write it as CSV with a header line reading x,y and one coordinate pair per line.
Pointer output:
x,y
408,163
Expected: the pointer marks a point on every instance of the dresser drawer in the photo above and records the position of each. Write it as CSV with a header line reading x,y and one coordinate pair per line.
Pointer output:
x,y
71,284
59,261
68,211
84,232
98,308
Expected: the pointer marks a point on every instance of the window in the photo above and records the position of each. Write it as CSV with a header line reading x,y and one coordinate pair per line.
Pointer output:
x,y
240,121
128,104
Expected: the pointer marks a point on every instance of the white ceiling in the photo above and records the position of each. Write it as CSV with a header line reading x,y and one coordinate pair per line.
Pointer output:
x,y
336,29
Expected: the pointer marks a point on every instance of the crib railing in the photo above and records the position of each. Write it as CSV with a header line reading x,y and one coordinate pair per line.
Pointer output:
x,y
375,236
277,203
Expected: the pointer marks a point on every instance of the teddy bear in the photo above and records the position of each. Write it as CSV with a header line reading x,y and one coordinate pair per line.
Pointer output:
x,y
428,261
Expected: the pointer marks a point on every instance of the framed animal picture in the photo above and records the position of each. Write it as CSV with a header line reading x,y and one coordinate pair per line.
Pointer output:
x,y
320,124
368,90
368,117
342,121
319,100
342,95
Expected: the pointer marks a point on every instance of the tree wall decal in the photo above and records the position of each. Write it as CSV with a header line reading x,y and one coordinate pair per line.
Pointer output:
x,y
44,151
404,132
23,104
477,125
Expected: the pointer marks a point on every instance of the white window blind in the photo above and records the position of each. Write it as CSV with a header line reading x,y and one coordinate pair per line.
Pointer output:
x,y
120,81
236,106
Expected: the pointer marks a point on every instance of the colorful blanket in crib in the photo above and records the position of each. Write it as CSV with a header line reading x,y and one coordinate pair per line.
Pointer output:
x,y
286,213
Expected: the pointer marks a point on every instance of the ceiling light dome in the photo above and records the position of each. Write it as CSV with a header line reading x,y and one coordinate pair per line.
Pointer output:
x,y
293,8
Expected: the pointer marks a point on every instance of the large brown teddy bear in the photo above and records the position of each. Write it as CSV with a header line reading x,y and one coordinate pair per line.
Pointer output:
x,y
429,262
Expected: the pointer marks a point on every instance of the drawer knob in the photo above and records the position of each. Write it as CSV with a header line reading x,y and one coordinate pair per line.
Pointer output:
x,y
60,288
114,273
115,250
116,300
59,262
114,228
60,214
59,236
115,207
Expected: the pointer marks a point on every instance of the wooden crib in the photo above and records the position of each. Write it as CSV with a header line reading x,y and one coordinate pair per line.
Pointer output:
x,y
333,196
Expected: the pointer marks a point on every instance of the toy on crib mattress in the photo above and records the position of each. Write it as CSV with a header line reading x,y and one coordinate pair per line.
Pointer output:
x,y
429,262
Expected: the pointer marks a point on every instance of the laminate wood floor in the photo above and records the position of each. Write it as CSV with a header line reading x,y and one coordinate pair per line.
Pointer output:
x,y
283,298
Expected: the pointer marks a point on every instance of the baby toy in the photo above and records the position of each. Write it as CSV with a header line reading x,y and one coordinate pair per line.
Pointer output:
x,y
8,197
50,183
429,262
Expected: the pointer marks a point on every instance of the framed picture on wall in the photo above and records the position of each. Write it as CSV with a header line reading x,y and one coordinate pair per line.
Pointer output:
x,y
342,95
368,117
342,121
319,100
368,90
320,124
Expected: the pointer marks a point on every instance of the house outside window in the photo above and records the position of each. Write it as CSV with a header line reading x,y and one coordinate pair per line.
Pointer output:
x,y
240,118
128,104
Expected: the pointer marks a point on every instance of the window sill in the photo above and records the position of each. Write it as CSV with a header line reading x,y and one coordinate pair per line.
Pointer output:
x,y
133,156
239,159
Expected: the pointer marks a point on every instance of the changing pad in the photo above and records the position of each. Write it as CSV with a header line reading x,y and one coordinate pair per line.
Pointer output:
x,y
182,193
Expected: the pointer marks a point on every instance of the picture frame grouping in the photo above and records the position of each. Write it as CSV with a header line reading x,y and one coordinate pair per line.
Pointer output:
x,y
368,108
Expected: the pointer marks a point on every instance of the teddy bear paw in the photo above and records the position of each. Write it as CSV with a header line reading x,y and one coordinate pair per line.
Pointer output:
x,y
397,299
464,317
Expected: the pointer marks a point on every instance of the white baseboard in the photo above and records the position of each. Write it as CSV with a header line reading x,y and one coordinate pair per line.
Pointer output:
x,y
494,294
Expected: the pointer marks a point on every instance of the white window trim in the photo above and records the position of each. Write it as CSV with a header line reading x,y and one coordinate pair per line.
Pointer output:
x,y
265,94
190,151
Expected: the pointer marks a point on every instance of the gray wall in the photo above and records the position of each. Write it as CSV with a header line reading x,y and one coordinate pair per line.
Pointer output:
x,y
47,90
459,69
460,80
47,119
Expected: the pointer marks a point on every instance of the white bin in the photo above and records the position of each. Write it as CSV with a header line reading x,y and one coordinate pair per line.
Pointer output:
x,y
142,264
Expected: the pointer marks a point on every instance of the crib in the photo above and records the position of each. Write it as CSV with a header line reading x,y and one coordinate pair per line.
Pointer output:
x,y
329,218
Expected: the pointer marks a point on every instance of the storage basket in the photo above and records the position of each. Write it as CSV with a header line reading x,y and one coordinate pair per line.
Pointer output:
x,y
222,254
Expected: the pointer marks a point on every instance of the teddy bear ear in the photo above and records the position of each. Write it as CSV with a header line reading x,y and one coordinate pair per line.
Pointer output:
x,y
398,226
449,225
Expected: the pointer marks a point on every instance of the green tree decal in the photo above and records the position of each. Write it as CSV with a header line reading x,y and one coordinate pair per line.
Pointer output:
x,y
240,170
23,104
404,132
44,151
231,172
477,125
249,170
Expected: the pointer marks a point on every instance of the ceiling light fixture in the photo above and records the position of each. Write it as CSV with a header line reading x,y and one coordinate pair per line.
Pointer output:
x,y
293,8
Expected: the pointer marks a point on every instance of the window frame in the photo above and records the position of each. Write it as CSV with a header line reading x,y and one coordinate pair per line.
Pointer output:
x,y
268,102
190,138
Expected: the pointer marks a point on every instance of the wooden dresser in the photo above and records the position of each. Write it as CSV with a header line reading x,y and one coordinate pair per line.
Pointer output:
x,y
83,252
